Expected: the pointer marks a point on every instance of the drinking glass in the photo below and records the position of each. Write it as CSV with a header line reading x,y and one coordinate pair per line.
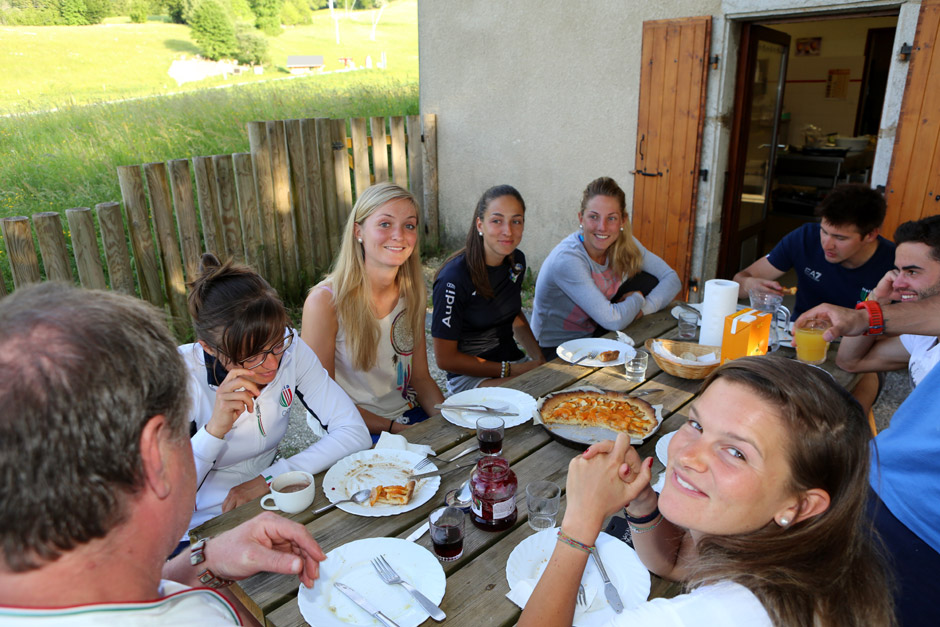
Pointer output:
x,y
446,526
811,348
773,304
688,325
490,430
542,499
635,369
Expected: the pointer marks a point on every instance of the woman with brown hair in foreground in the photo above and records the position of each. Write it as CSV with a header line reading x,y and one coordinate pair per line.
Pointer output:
x,y
762,515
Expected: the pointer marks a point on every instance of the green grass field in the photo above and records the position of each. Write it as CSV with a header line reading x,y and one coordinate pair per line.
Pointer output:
x,y
61,65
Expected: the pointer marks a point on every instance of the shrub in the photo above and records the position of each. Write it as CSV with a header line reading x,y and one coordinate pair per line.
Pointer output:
x,y
252,46
213,30
295,12
73,12
139,11
268,16
96,10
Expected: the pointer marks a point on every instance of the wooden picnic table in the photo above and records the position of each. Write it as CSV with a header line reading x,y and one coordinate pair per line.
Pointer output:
x,y
476,583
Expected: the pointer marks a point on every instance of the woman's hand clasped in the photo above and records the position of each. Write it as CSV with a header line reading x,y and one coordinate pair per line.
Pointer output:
x,y
234,397
600,482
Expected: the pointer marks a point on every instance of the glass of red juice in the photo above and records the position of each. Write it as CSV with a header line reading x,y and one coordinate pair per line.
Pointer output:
x,y
446,526
490,431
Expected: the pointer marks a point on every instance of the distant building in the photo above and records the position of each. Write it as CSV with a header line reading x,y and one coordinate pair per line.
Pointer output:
x,y
304,64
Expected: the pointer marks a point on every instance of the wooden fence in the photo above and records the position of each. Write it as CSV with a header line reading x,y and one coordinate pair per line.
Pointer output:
x,y
280,208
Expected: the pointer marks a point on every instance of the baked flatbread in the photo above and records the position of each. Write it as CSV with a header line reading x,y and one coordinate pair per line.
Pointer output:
x,y
609,355
609,410
392,494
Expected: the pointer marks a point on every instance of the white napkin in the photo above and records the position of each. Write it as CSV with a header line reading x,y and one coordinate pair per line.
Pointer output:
x,y
525,587
398,442
623,338
700,360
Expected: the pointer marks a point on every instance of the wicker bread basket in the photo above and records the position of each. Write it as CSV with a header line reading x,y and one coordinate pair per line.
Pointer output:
x,y
683,371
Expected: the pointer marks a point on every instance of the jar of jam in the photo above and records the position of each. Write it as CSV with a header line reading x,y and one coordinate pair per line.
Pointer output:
x,y
493,487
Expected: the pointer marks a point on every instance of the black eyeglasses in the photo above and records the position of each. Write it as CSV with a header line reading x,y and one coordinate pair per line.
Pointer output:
x,y
255,361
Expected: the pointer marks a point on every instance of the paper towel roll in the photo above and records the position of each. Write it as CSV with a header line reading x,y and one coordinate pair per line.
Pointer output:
x,y
721,299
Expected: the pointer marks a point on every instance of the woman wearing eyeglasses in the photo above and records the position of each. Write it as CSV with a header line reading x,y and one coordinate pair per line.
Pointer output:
x,y
247,368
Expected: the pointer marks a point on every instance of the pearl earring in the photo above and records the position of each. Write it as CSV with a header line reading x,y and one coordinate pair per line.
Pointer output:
x,y
621,229
480,233
784,521
360,240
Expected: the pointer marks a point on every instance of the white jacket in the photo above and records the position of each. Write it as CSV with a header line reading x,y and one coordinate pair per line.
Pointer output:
x,y
245,452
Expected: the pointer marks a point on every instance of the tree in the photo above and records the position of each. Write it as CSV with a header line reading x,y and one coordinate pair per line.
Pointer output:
x,y
252,45
268,16
213,30
139,11
73,12
96,10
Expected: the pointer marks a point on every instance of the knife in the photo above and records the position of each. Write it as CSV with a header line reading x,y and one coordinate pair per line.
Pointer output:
x,y
475,409
644,392
360,600
439,473
609,590
417,533
690,308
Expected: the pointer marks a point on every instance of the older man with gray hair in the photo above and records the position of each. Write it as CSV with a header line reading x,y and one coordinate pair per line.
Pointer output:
x,y
97,479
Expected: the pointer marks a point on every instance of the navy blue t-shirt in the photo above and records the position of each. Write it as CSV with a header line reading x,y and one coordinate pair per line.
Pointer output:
x,y
820,281
482,327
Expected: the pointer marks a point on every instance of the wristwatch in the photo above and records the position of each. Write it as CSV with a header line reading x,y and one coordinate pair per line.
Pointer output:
x,y
197,555
876,319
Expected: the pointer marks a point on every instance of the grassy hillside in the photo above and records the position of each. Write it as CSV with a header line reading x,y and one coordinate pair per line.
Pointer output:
x,y
61,65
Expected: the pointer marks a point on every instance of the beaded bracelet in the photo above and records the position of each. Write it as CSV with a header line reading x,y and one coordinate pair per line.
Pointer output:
x,y
634,529
639,520
564,537
503,369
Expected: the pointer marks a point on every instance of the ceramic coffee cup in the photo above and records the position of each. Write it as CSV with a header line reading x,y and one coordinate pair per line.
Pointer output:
x,y
291,492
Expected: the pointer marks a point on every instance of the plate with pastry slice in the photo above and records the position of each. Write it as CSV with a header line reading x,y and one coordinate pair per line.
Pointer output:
x,y
384,472
586,415
609,352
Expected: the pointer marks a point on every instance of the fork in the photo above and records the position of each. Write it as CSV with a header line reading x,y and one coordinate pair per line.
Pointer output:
x,y
582,596
590,355
389,576
421,465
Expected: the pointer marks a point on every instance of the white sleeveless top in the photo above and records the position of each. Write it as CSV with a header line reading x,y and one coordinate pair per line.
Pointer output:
x,y
386,389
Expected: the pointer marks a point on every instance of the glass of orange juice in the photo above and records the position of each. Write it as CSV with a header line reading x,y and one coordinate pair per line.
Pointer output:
x,y
810,346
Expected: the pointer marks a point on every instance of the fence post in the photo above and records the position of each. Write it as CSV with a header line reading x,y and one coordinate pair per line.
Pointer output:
x,y
85,247
334,225
181,185
24,263
344,202
248,210
135,204
261,162
282,205
416,161
300,183
231,234
208,211
379,149
168,245
399,152
430,181
319,244
114,242
55,255
360,153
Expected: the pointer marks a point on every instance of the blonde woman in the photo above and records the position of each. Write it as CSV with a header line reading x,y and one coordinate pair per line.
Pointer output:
x,y
599,277
365,321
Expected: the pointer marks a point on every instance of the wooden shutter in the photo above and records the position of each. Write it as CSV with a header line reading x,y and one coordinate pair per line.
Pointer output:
x,y
669,137
913,189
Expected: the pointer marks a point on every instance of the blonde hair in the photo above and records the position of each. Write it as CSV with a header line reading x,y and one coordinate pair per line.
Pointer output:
x,y
351,297
624,256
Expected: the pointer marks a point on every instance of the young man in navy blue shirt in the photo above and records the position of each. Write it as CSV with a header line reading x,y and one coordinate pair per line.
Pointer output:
x,y
837,261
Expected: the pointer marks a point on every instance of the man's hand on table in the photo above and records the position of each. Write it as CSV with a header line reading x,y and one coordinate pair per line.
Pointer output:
x,y
266,543
849,322
244,492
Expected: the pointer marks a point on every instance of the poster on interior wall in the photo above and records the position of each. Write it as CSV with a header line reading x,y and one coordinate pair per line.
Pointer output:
x,y
808,46
837,84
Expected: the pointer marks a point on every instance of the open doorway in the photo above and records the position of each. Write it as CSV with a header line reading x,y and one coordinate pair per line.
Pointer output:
x,y
808,101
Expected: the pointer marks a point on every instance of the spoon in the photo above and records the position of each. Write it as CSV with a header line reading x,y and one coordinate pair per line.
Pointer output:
x,y
461,497
358,497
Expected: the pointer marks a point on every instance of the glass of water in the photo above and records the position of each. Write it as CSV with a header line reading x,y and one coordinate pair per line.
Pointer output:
x,y
542,499
635,369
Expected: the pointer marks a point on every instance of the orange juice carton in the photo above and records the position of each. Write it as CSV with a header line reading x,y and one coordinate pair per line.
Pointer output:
x,y
747,332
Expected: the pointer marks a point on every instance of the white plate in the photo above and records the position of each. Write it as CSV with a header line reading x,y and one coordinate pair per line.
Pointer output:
x,y
521,404
662,447
591,435
325,606
785,335
529,559
367,469
572,350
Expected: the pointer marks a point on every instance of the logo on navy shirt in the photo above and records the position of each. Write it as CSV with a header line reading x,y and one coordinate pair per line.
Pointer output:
x,y
450,296
813,274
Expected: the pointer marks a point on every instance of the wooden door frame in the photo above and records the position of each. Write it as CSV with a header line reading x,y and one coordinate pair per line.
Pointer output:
x,y
737,151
